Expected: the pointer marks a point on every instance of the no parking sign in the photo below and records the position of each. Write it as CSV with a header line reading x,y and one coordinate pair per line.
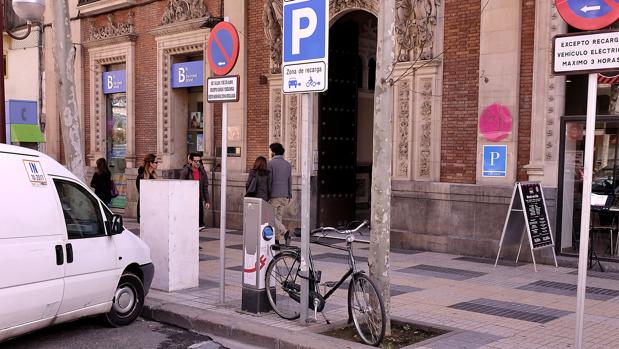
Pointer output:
x,y
223,48
588,14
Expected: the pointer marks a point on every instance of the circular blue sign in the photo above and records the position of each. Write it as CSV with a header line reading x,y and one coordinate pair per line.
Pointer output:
x,y
223,48
588,14
267,233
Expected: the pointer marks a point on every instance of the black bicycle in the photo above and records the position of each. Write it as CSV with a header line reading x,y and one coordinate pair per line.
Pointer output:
x,y
365,303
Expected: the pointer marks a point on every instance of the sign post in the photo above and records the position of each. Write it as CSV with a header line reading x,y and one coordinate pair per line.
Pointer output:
x,y
223,51
576,54
305,50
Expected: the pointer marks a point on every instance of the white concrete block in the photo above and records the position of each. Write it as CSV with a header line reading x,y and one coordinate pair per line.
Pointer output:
x,y
169,225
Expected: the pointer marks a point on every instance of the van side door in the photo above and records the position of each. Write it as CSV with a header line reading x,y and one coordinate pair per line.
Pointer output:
x,y
31,256
91,273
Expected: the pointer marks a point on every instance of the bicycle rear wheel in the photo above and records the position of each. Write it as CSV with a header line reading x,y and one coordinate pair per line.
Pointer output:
x,y
285,290
367,309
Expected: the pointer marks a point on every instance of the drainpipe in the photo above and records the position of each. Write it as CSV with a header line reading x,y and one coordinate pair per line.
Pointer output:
x,y
40,99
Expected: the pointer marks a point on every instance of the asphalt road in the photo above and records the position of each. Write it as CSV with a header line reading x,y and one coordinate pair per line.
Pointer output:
x,y
90,333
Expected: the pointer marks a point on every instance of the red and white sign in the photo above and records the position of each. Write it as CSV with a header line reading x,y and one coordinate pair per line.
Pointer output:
x,y
223,48
495,122
588,14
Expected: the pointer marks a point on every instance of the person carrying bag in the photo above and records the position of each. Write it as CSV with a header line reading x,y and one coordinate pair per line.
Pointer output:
x,y
258,183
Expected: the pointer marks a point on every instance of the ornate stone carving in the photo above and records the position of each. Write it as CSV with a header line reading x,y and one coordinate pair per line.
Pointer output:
x,y
403,123
337,6
272,20
111,29
292,135
277,114
183,10
415,25
425,144
549,153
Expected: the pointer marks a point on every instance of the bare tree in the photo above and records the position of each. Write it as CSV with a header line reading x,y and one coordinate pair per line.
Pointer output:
x,y
381,164
66,95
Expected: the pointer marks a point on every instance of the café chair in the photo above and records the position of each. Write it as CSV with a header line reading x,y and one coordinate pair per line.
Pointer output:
x,y
604,223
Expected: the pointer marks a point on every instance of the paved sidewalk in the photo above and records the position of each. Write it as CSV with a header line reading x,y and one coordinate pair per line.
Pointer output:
x,y
510,306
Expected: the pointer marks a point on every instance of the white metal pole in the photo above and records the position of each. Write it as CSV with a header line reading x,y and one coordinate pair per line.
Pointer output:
x,y
306,171
222,208
586,209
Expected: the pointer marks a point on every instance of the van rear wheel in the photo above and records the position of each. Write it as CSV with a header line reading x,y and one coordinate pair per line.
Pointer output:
x,y
128,301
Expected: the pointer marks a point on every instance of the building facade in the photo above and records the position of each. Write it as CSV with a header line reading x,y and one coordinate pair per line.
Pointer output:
x,y
471,79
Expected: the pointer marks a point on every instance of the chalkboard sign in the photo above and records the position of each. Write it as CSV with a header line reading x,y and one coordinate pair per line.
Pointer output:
x,y
535,214
528,215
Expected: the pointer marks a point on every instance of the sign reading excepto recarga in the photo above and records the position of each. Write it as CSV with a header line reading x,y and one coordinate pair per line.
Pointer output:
x,y
581,53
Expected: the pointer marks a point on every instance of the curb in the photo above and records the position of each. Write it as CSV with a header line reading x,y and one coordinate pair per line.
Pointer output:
x,y
238,328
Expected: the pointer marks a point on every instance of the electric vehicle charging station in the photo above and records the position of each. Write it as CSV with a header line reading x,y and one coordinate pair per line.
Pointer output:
x,y
258,236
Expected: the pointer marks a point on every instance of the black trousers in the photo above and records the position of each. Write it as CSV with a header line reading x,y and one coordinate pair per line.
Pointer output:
x,y
201,213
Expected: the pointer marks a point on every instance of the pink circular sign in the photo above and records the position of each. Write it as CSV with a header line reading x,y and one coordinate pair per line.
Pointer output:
x,y
495,122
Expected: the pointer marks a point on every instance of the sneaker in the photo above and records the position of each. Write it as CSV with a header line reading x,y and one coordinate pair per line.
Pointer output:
x,y
200,247
200,228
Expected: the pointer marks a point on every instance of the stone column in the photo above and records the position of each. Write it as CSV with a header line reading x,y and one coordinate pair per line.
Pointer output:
x,y
548,97
499,69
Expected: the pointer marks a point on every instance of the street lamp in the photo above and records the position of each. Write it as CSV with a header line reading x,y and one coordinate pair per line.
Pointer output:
x,y
31,11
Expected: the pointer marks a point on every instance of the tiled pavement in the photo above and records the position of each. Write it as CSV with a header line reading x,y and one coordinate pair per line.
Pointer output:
x,y
509,306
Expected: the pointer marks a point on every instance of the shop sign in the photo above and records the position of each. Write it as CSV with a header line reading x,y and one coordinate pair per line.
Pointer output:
x,y
114,81
223,89
494,161
188,74
586,53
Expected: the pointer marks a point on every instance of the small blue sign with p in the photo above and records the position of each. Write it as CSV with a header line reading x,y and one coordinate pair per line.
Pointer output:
x,y
305,30
494,161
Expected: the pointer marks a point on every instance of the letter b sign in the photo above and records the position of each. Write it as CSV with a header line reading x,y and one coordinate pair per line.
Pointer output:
x,y
305,30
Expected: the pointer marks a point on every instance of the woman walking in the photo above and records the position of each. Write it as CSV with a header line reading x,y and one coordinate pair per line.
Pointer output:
x,y
258,184
146,171
102,182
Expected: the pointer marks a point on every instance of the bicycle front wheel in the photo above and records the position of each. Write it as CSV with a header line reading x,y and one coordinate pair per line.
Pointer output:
x,y
367,309
284,288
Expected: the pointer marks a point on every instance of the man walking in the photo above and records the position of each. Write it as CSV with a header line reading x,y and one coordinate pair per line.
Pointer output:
x,y
195,171
281,190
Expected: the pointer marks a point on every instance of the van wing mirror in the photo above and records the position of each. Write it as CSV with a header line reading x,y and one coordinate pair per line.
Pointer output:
x,y
117,225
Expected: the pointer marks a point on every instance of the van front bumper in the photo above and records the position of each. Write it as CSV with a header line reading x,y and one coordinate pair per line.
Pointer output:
x,y
148,270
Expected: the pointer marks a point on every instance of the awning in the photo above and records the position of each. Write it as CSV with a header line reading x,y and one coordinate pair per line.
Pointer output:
x,y
26,133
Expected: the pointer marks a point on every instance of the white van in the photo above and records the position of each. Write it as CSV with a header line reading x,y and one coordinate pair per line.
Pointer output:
x,y
63,254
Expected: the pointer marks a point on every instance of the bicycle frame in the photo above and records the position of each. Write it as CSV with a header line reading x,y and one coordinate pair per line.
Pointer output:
x,y
351,270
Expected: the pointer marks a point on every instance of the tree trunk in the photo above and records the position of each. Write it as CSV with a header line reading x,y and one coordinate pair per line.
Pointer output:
x,y
66,96
381,164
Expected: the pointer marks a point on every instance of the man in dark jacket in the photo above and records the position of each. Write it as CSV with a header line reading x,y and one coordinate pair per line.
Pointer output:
x,y
195,171
281,189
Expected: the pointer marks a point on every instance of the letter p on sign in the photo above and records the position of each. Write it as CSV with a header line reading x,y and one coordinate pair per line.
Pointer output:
x,y
298,32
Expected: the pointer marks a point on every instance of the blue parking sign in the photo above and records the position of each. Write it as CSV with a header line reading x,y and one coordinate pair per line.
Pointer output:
x,y
494,161
305,31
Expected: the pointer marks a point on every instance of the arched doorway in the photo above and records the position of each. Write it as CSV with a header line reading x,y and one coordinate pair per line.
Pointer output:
x,y
345,121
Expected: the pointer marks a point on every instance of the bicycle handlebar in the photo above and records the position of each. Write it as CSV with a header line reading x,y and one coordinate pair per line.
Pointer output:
x,y
343,232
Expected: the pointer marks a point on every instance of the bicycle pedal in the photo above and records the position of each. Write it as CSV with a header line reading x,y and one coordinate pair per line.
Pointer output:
x,y
329,284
